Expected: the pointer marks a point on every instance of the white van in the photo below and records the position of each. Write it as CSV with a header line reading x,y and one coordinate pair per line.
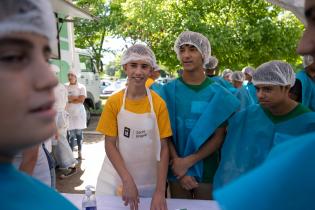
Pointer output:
x,y
66,56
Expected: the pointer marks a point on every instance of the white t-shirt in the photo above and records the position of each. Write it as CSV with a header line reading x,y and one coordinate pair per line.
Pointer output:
x,y
76,111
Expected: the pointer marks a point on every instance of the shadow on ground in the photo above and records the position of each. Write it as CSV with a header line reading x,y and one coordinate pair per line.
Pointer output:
x,y
68,185
92,138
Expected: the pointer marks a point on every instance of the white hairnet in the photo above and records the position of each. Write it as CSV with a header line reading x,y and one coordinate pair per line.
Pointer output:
x,y
274,73
238,76
248,70
139,52
196,39
73,72
35,16
226,72
212,64
307,60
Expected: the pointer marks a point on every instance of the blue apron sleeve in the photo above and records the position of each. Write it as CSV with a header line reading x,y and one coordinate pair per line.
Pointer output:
x,y
244,148
252,92
219,80
220,108
222,105
245,99
168,93
304,124
284,181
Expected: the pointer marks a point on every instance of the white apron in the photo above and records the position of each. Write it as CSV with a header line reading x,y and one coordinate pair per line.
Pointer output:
x,y
77,114
139,145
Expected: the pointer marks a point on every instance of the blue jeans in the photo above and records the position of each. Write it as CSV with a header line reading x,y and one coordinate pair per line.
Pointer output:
x,y
75,135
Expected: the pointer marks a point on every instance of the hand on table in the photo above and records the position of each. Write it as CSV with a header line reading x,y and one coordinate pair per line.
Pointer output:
x,y
130,195
158,201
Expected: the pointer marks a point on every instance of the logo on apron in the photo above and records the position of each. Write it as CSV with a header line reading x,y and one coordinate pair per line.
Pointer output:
x,y
126,132
141,134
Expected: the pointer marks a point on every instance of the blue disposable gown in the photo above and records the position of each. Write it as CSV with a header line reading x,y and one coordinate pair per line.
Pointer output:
x,y
252,91
195,116
308,90
224,83
245,99
284,181
20,191
249,139
156,87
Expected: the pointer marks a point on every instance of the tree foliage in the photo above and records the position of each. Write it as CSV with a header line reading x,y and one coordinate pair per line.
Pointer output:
x,y
241,32
91,33
114,66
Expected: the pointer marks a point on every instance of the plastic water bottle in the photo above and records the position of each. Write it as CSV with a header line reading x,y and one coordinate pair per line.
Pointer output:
x,y
89,200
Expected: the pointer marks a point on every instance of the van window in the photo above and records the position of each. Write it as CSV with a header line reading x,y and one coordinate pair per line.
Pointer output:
x,y
86,64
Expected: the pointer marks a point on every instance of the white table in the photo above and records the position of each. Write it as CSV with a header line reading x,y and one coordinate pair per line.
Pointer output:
x,y
115,203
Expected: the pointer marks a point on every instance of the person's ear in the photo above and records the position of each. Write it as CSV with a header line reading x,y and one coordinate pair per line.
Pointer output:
x,y
124,67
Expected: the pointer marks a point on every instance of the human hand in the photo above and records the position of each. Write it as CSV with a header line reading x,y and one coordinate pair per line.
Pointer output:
x,y
130,194
71,98
158,201
180,166
188,182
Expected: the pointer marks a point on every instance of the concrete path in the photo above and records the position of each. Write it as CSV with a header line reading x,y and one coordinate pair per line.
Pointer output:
x,y
93,153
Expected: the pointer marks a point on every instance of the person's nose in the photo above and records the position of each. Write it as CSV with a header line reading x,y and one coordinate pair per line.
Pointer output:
x,y
185,54
307,42
138,70
43,78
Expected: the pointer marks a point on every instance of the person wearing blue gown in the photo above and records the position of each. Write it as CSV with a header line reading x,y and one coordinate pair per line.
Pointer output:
x,y
286,179
211,69
27,33
198,110
307,78
241,93
251,132
249,71
226,75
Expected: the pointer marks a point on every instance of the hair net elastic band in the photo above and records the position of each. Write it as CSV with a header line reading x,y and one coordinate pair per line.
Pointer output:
x,y
270,83
193,44
136,57
138,52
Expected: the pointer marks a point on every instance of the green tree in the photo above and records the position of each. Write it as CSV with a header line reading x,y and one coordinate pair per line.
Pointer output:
x,y
241,32
91,34
114,66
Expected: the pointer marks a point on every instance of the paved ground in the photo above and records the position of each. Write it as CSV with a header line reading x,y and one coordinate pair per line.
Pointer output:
x,y
88,169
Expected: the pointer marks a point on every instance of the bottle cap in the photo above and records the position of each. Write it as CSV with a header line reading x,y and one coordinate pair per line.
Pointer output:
x,y
88,190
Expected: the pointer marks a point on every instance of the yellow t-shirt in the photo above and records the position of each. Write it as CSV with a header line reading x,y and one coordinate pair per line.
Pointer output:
x,y
149,82
108,121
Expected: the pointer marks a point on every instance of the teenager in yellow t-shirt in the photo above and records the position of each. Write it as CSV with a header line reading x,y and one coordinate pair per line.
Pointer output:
x,y
136,124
